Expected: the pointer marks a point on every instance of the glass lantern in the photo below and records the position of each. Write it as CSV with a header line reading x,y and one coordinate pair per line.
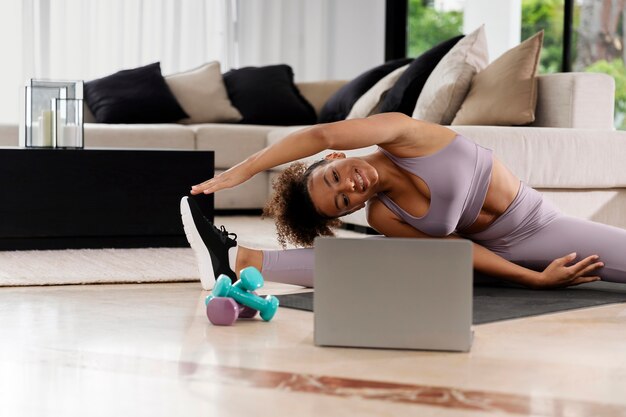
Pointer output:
x,y
54,114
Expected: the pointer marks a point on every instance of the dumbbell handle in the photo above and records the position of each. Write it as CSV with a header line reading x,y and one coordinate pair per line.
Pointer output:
x,y
246,298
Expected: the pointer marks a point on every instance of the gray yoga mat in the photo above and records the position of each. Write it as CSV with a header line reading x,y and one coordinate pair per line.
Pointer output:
x,y
496,303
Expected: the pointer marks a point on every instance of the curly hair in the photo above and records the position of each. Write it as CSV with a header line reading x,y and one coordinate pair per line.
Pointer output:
x,y
297,220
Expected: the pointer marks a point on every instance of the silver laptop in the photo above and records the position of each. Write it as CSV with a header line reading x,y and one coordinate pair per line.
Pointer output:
x,y
393,293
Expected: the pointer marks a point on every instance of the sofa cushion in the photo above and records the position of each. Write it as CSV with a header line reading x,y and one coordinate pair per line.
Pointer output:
x,y
504,93
231,143
202,94
151,136
339,104
252,194
599,205
545,157
403,95
268,96
138,95
369,103
450,81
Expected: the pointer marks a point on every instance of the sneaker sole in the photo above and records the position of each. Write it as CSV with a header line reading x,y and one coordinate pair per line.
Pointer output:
x,y
205,265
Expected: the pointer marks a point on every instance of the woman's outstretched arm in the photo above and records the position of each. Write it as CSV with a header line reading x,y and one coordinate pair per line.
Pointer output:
x,y
560,273
390,129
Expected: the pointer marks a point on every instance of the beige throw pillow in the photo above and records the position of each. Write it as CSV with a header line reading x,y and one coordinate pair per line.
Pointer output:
x,y
450,81
202,94
504,93
368,103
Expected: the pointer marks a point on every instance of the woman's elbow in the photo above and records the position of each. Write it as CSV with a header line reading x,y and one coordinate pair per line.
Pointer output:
x,y
320,134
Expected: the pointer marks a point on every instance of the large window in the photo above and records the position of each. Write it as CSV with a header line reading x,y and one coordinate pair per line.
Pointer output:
x,y
597,41
546,15
431,22
598,45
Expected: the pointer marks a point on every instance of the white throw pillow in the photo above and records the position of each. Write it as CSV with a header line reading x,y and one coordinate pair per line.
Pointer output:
x,y
450,81
368,103
202,94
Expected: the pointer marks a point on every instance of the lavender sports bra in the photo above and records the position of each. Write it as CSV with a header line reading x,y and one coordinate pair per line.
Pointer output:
x,y
458,177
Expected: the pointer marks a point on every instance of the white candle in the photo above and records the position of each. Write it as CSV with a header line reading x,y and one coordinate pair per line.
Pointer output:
x,y
60,132
69,135
45,128
34,133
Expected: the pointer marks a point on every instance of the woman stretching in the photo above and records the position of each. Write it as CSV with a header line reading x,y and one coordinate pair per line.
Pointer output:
x,y
424,181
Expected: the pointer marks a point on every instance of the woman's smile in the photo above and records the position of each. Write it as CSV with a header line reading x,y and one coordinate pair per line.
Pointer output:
x,y
361,180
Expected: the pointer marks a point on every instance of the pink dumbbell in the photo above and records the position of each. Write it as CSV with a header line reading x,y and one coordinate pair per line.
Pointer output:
x,y
224,311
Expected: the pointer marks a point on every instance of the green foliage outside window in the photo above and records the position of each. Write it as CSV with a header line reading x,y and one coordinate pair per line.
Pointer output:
x,y
546,15
617,70
428,27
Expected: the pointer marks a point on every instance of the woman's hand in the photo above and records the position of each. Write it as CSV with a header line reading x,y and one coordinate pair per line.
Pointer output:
x,y
559,274
227,179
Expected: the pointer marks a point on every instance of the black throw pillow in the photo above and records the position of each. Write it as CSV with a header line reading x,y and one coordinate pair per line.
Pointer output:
x,y
339,104
268,96
138,95
404,93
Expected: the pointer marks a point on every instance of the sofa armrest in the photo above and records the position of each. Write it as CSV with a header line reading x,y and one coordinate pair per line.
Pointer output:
x,y
318,92
575,100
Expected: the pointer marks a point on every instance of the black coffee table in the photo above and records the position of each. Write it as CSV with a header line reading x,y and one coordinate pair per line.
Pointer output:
x,y
96,198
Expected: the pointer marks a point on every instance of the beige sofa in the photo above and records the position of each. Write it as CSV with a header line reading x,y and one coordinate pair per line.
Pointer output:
x,y
572,153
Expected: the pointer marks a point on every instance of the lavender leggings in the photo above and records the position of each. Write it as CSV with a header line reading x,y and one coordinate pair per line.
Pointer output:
x,y
531,233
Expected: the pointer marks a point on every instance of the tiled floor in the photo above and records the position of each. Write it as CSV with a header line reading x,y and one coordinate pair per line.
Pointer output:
x,y
132,350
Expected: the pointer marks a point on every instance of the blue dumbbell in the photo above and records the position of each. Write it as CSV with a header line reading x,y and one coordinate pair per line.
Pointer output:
x,y
250,280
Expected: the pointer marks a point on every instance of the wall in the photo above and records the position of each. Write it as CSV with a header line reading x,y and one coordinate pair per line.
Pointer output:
x,y
356,40
502,19
320,39
11,52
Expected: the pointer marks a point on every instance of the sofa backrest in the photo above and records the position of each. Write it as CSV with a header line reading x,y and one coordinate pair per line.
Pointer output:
x,y
571,100
88,116
318,92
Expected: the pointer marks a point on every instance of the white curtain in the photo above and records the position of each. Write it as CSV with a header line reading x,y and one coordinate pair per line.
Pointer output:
x,y
296,32
320,39
86,39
